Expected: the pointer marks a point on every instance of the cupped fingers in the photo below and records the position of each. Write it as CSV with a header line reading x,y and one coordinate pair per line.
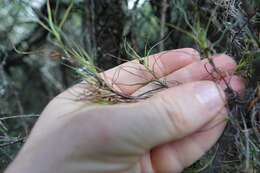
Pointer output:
x,y
177,155
234,83
130,76
219,67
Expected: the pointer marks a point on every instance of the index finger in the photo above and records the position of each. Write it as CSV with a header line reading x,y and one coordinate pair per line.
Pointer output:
x,y
130,76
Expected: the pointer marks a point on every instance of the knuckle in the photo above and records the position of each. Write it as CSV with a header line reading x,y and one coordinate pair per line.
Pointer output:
x,y
173,115
192,51
228,59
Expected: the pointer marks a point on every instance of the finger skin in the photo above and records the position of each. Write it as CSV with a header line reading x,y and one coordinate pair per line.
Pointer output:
x,y
199,70
202,70
130,76
235,83
176,156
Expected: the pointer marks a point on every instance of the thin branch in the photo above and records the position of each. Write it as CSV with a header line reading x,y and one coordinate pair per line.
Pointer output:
x,y
19,116
165,5
13,142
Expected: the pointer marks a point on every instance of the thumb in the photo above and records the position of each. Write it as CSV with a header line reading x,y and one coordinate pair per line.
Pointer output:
x,y
170,115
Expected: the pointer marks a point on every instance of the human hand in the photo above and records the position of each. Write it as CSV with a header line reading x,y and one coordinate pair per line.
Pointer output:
x,y
165,133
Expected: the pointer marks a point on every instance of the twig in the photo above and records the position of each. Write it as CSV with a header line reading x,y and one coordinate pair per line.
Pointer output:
x,y
163,18
12,142
18,116
242,27
247,154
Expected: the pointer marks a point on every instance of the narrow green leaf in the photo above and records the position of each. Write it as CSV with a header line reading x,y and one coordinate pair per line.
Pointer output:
x,y
65,17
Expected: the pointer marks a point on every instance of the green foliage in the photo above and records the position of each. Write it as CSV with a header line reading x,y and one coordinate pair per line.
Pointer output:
x,y
87,68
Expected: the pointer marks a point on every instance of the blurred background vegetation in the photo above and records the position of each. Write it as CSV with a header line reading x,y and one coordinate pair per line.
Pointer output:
x,y
33,69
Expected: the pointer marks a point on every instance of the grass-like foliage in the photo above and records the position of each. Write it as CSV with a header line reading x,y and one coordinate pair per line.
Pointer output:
x,y
85,66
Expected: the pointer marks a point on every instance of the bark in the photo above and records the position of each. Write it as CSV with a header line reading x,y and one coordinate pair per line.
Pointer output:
x,y
104,26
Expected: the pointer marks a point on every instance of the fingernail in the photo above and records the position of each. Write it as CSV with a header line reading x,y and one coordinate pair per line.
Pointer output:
x,y
210,95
